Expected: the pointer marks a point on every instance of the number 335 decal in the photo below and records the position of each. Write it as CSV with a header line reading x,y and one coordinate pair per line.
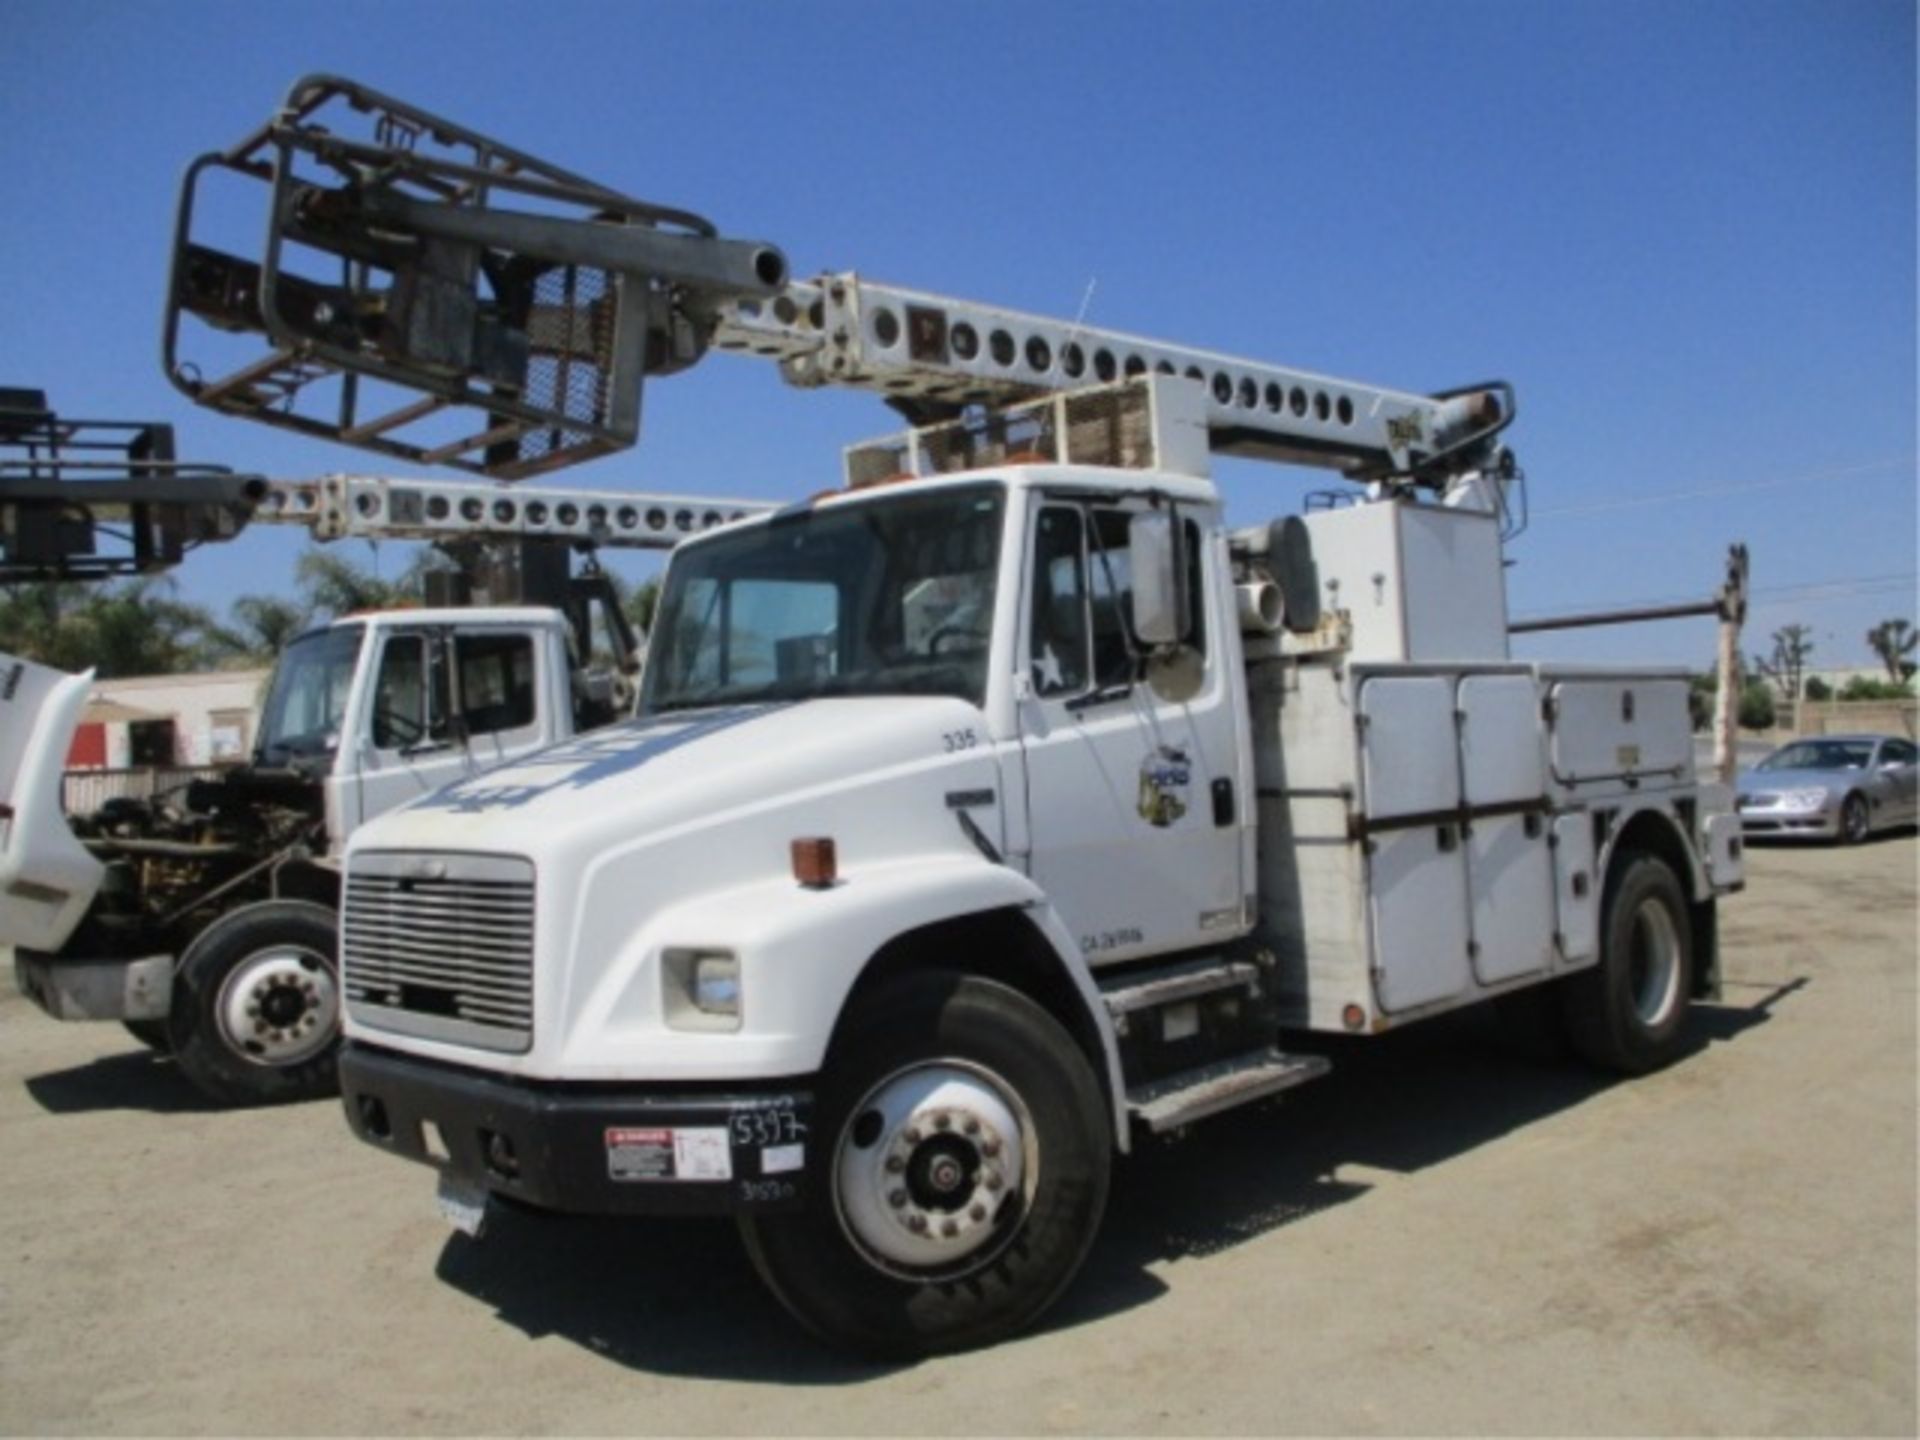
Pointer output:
x,y
960,740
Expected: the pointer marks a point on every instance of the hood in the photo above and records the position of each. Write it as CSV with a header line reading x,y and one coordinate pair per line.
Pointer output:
x,y
47,878
662,771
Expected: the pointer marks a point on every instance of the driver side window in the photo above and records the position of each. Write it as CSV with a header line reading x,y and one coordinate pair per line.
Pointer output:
x,y
403,712
1059,643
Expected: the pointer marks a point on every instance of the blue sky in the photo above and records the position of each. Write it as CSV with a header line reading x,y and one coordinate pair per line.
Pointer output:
x,y
1686,232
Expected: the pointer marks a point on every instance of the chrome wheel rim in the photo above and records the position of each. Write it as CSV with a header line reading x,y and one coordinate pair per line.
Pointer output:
x,y
279,1006
1654,969
934,1169
1853,819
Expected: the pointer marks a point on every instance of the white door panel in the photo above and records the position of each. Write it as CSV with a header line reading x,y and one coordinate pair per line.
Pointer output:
x,y
1119,782
1408,745
1511,870
1418,896
1500,751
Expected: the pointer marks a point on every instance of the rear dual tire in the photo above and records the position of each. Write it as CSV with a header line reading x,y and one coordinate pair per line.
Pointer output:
x,y
1628,1013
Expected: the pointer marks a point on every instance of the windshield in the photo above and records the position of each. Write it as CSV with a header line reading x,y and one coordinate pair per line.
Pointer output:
x,y
891,597
1821,755
309,693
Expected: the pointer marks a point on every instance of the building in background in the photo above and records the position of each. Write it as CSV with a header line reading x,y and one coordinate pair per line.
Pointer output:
x,y
168,720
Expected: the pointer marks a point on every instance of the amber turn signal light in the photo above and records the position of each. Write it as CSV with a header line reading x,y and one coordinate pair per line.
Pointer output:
x,y
814,863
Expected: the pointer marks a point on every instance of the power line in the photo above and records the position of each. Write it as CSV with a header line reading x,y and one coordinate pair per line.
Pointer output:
x,y
1904,465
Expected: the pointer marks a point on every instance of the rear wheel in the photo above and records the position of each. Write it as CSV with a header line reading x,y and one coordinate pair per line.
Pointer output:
x,y
256,1008
1854,821
1628,1013
959,1179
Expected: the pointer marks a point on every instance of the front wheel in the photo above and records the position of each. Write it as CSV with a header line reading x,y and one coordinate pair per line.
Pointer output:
x,y
1628,1013
256,1005
959,1175
1854,821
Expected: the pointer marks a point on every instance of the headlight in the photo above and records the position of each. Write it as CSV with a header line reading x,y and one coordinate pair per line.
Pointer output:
x,y
1803,799
700,989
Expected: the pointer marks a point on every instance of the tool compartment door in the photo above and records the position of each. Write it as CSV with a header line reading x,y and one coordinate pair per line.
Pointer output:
x,y
1610,729
1509,863
1416,869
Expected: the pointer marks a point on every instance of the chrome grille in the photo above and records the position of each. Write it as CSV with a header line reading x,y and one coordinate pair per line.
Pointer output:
x,y
441,946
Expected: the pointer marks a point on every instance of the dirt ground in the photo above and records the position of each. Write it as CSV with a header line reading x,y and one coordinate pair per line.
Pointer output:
x,y
1443,1236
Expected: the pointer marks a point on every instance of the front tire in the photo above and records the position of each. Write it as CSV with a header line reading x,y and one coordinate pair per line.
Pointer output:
x,y
1854,820
1628,1013
255,1017
958,1176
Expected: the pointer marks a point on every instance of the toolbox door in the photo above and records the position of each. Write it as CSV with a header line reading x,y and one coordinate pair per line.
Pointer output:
x,y
1415,865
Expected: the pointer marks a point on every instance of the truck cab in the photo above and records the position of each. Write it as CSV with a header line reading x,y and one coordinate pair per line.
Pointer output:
x,y
206,919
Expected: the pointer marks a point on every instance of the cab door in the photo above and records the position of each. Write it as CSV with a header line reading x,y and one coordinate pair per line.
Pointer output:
x,y
444,703
1132,800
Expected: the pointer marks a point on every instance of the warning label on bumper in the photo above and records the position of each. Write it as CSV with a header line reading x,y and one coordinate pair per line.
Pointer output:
x,y
686,1153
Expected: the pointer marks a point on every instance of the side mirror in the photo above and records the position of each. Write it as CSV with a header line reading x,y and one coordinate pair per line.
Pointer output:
x,y
1159,598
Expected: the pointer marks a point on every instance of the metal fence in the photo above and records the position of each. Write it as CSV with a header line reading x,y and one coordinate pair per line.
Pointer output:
x,y
84,791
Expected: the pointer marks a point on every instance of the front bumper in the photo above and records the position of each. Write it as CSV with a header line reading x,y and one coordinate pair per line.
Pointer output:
x,y
140,989
1811,824
585,1150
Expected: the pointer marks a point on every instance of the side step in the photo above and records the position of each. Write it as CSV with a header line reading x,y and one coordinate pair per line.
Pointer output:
x,y
1186,980
1181,1099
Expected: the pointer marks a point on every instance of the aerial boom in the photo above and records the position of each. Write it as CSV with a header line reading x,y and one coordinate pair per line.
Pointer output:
x,y
515,337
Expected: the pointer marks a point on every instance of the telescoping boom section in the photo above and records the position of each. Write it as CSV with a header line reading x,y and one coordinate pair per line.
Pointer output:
x,y
430,293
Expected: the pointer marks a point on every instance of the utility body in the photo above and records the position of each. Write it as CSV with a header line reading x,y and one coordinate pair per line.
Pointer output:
x,y
205,918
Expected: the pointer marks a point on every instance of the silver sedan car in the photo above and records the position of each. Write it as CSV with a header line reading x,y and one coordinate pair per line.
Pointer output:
x,y
1831,787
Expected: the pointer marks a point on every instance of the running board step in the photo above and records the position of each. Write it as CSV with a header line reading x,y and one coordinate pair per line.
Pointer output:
x,y
1184,981
1195,1094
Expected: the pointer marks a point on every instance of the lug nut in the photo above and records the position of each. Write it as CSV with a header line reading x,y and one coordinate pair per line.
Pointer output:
x,y
972,1127
912,1135
990,1149
994,1182
978,1212
897,1198
949,1228
895,1164
916,1223
943,1121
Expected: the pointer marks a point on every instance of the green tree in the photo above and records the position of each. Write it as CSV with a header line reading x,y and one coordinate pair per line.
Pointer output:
x,y
641,602
332,584
133,627
259,627
1863,687
1893,641
1756,706
1792,647
1818,689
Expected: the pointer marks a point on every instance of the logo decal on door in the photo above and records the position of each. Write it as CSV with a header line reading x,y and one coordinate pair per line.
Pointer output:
x,y
1164,777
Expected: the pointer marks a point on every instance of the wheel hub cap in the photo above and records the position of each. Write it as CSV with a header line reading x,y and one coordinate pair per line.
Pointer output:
x,y
1655,973
279,1006
933,1167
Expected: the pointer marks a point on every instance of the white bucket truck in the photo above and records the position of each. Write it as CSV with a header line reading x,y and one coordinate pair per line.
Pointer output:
x,y
976,823
978,818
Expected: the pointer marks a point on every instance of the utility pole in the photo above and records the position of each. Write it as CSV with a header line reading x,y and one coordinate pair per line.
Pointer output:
x,y
1732,609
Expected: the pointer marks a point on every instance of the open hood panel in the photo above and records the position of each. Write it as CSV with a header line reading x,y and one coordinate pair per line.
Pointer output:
x,y
47,878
